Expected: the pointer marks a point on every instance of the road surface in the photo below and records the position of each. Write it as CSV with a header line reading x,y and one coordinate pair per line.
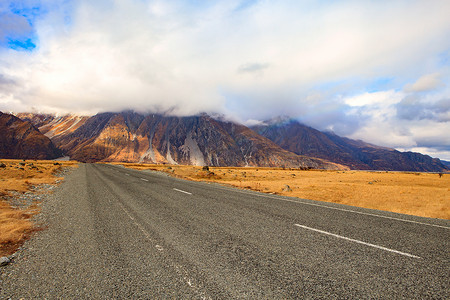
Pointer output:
x,y
120,233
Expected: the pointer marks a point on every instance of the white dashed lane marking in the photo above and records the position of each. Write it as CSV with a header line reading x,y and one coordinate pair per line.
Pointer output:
x,y
357,241
181,191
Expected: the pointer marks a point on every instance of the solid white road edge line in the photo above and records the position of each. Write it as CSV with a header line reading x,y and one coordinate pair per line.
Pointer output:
x,y
329,207
182,191
336,208
357,241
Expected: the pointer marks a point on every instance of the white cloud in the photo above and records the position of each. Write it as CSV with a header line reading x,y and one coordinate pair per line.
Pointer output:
x,y
427,82
409,122
252,122
164,54
444,155
383,97
379,125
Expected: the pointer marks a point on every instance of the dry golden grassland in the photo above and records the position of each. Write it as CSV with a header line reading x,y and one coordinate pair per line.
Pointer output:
x,y
20,176
420,194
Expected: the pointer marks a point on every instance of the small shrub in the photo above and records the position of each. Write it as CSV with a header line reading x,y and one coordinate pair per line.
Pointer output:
x,y
286,188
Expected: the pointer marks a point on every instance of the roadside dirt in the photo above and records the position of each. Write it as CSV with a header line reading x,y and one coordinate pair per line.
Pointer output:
x,y
19,180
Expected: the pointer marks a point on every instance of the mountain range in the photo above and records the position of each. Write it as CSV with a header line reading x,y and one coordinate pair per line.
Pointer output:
x,y
153,138
203,140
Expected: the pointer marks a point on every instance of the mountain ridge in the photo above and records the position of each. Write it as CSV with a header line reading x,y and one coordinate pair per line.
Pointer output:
x,y
21,140
304,140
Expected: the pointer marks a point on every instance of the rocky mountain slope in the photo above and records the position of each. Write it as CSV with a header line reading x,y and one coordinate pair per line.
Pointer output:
x,y
53,126
196,140
304,140
20,139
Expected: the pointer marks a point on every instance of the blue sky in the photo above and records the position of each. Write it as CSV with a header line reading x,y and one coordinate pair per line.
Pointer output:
x,y
18,24
372,70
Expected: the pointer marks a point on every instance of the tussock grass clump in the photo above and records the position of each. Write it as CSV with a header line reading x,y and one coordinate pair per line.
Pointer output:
x,y
15,227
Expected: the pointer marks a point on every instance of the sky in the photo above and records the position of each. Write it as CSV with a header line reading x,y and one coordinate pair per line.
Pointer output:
x,y
372,70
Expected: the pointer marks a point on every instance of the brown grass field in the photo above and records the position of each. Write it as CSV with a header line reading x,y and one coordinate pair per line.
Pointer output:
x,y
20,176
420,194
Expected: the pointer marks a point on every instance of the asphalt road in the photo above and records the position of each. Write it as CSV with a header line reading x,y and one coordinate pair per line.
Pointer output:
x,y
120,233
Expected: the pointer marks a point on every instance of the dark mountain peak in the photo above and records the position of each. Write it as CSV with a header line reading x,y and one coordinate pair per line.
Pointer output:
x,y
280,121
283,124
220,117
20,139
